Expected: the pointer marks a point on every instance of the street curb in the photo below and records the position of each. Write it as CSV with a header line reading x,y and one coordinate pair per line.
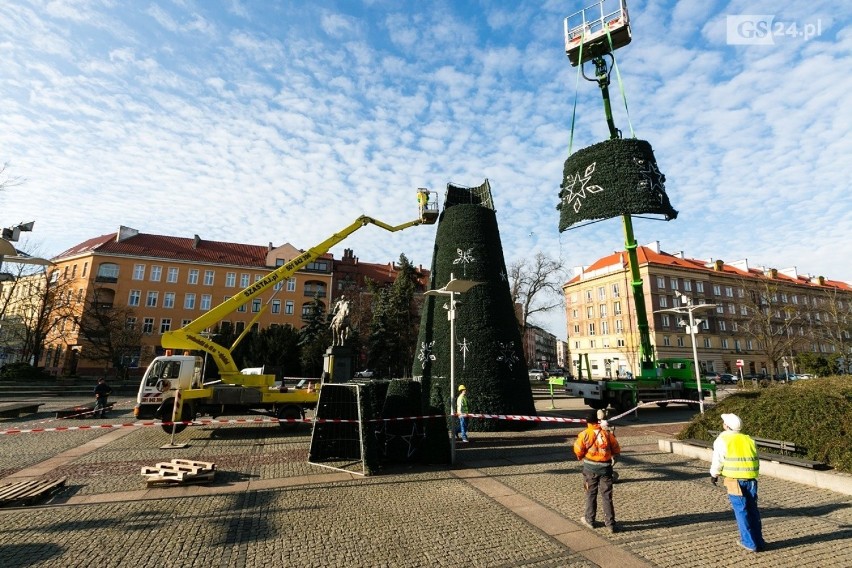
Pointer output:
x,y
831,480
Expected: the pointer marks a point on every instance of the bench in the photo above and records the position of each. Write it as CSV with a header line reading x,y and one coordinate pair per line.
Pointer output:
x,y
771,456
15,409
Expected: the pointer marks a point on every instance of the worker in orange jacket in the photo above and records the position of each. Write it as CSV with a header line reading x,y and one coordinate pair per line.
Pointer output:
x,y
598,449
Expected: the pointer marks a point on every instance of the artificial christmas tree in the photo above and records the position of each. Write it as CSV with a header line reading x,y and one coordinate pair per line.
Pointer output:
x,y
489,357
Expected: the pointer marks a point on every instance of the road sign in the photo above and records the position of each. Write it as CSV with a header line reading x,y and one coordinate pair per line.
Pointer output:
x,y
739,362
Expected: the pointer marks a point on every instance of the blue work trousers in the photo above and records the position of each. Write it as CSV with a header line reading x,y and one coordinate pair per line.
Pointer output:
x,y
747,514
462,429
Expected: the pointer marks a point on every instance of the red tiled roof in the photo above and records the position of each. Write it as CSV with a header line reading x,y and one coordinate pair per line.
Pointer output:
x,y
174,248
647,255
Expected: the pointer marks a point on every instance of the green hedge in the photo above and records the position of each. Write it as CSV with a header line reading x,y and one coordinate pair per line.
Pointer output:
x,y
609,179
815,414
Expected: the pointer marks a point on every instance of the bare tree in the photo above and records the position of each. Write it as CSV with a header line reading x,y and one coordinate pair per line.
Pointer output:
x,y
6,180
771,323
107,332
834,324
536,285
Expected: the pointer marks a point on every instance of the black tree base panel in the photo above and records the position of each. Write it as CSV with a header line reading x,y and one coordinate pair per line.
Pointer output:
x,y
609,179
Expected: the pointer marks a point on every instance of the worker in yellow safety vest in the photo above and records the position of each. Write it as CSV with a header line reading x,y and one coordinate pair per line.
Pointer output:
x,y
422,200
735,458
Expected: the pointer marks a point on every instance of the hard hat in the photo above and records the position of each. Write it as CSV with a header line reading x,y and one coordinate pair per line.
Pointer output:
x,y
733,422
461,388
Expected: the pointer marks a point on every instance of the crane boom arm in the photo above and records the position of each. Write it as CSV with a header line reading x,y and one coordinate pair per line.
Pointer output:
x,y
191,335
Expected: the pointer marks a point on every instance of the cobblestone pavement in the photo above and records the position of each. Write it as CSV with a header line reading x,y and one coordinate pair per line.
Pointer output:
x,y
513,499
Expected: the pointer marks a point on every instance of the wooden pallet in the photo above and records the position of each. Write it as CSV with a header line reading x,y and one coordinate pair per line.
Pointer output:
x,y
27,492
179,472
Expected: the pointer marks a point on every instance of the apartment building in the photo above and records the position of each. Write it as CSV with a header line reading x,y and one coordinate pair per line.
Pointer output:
x,y
800,312
539,348
169,281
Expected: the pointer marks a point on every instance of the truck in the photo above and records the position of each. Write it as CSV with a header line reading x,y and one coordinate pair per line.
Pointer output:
x,y
173,388
590,35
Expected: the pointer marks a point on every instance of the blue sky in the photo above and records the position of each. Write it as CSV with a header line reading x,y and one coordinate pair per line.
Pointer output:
x,y
261,122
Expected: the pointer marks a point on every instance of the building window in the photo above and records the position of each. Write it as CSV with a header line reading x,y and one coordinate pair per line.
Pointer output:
x,y
590,312
315,289
666,341
588,295
230,279
722,326
666,320
729,292
208,277
720,308
133,299
169,300
577,328
616,308
602,293
740,293
679,341
317,266
85,269
603,310
673,281
737,344
189,302
616,291
734,326
255,305
619,343
591,328
717,290
732,308
707,343
687,285
574,313
699,287
244,280
151,300
749,344
239,326
148,326
165,325
276,306
184,323
619,326
139,272
743,310
206,301
664,301
724,343
661,282
795,299
130,323
172,275
604,327
291,284
289,307
156,273
193,276
242,308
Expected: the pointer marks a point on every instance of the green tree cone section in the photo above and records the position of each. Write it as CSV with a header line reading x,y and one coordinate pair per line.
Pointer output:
x,y
609,179
489,357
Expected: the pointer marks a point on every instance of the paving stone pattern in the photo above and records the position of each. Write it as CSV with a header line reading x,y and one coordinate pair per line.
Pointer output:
x,y
669,513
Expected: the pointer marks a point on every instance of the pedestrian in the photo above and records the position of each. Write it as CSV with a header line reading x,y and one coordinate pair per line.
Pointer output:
x,y
462,408
735,458
102,392
598,448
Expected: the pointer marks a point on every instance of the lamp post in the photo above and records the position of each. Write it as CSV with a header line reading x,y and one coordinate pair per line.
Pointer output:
x,y
690,308
453,287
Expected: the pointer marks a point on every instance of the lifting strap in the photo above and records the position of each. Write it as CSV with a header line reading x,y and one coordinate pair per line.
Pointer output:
x,y
577,89
618,77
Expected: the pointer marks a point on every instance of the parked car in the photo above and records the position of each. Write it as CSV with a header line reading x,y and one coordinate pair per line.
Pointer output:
x,y
728,379
799,377
538,375
365,374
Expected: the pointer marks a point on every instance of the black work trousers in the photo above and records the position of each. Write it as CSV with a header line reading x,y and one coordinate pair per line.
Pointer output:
x,y
595,483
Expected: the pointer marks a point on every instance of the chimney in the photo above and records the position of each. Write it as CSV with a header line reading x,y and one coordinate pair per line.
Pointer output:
x,y
821,280
717,266
269,248
196,241
125,233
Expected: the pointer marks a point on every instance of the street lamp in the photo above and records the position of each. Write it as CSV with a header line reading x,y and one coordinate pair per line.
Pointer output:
x,y
690,308
452,288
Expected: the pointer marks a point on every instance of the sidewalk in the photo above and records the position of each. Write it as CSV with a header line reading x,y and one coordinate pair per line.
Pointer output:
x,y
513,499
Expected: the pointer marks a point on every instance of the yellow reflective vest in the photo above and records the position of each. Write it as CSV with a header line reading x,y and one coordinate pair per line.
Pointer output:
x,y
741,461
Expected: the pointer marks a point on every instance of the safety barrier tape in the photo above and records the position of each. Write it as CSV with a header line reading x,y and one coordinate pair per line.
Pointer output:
x,y
207,422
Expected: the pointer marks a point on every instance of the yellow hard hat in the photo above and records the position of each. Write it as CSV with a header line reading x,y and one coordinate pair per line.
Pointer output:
x,y
462,387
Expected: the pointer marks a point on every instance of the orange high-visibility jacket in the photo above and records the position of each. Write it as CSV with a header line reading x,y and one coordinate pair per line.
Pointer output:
x,y
595,444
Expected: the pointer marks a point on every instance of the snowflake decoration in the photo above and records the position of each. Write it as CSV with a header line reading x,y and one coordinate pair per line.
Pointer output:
x,y
426,354
652,179
579,182
464,347
507,354
465,257
503,276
